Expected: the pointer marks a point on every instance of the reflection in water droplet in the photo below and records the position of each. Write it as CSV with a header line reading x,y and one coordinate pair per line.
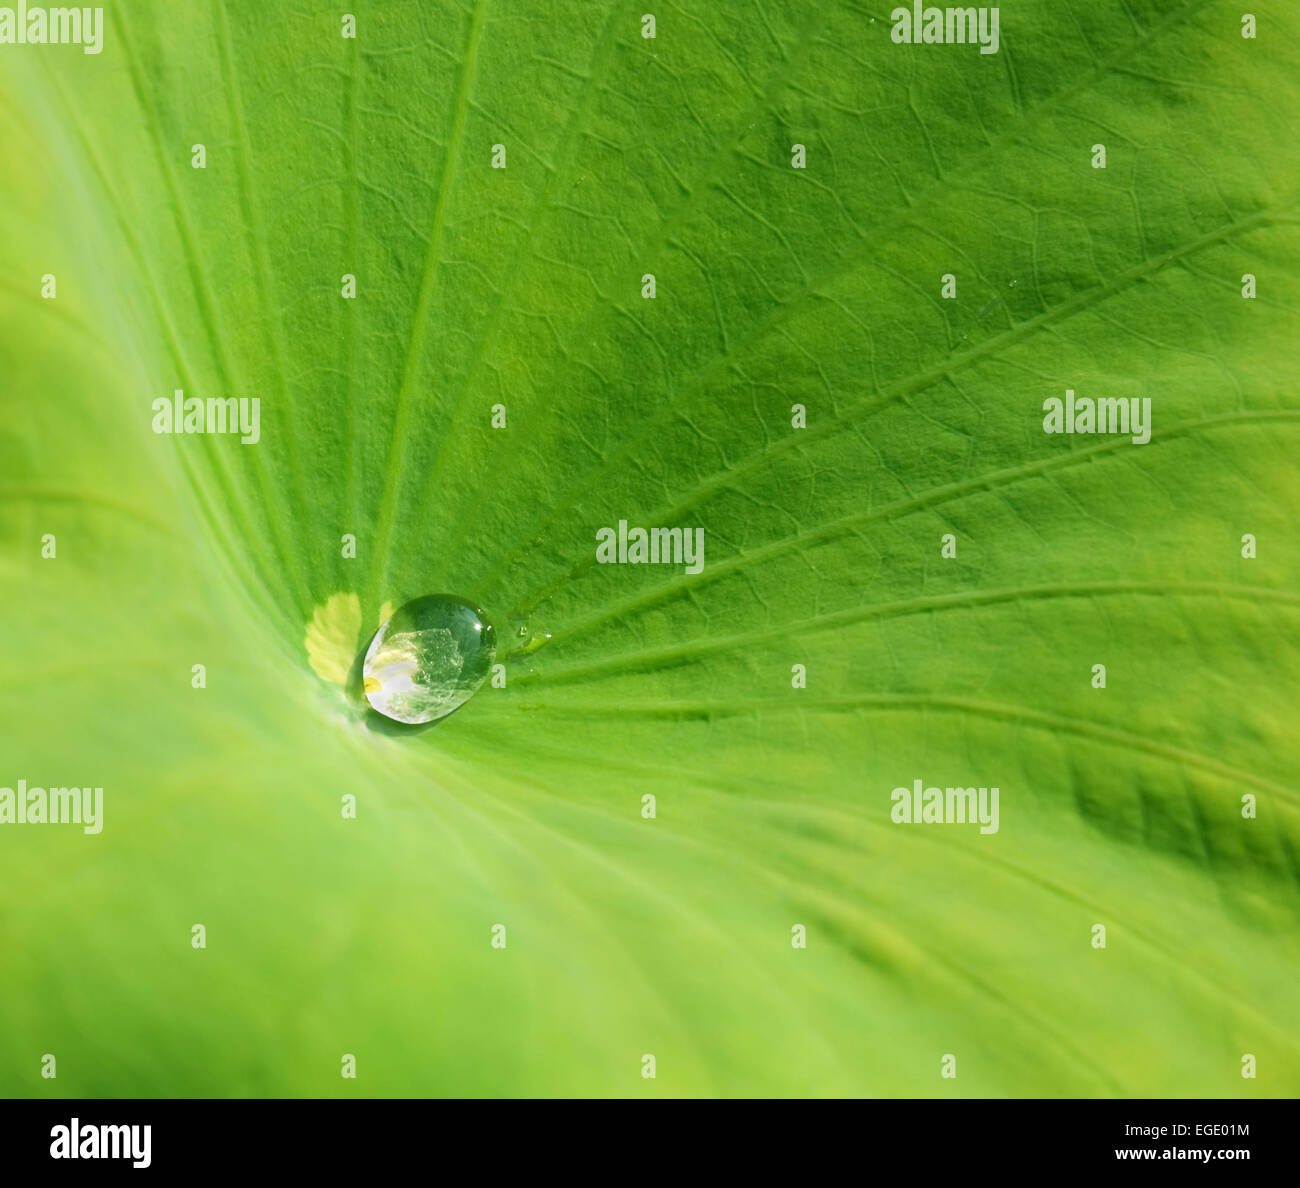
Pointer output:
x,y
428,659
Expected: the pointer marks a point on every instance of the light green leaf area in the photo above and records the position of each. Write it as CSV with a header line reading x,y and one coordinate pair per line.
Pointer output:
x,y
775,286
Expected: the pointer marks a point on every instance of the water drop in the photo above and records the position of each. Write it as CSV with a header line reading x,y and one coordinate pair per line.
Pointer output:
x,y
428,659
540,640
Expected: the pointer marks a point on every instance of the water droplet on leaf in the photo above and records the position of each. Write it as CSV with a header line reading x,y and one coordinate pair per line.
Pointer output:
x,y
428,659
540,640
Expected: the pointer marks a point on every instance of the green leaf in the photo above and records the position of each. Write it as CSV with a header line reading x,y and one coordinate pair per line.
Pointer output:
x,y
372,157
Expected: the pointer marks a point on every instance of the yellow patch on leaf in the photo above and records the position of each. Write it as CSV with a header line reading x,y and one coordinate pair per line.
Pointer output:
x,y
332,637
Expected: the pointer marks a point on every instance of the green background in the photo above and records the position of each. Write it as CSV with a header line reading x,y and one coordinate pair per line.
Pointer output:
x,y
479,286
